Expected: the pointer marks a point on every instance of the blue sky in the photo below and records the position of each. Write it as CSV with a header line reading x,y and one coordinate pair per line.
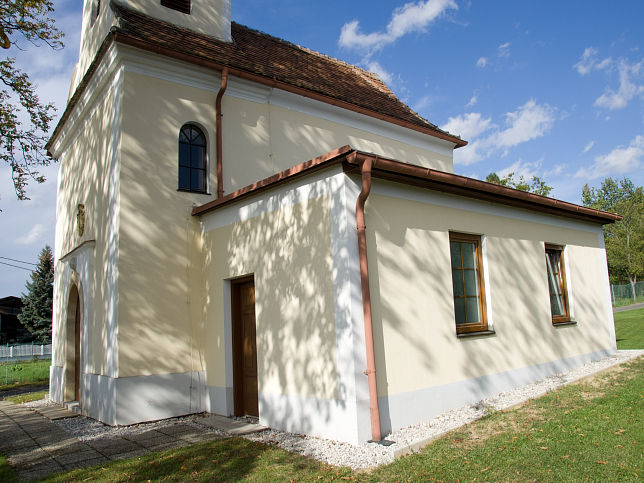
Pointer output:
x,y
550,88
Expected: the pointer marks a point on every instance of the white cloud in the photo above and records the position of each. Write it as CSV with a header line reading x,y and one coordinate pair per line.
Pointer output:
x,y
473,100
620,160
529,121
589,146
589,62
503,50
482,62
469,154
423,103
628,74
387,77
521,168
411,17
628,89
468,125
555,171
36,232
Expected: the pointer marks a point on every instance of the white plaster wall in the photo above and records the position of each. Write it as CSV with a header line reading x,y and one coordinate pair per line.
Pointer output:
x,y
326,393
422,367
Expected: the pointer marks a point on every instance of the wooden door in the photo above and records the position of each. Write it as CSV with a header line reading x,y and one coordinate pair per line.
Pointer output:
x,y
77,351
244,348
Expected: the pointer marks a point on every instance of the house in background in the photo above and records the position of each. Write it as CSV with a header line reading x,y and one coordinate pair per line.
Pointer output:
x,y
11,329
247,227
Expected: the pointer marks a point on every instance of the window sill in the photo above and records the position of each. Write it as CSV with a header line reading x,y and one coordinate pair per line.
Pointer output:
x,y
465,335
564,324
194,192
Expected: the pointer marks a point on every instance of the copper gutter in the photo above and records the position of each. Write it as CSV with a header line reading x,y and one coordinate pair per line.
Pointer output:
x,y
374,410
481,190
422,177
220,161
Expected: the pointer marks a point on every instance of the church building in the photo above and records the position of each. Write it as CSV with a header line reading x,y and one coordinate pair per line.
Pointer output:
x,y
248,227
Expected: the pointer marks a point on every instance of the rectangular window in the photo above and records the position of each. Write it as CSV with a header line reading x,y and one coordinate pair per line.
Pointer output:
x,y
557,284
182,6
467,282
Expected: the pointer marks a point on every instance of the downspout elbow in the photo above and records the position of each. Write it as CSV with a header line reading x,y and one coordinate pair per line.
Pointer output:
x,y
374,410
219,115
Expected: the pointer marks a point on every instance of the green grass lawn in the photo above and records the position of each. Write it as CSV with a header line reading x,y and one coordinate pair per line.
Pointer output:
x,y
14,374
629,329
7,474
589,431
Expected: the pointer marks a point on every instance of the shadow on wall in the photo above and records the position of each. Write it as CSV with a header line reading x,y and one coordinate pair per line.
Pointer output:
x,y
395,258
159,265
85,177
414,328
289,251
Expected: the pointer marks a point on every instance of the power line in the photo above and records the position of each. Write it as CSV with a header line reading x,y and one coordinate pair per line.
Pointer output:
x,y
16,266
19,261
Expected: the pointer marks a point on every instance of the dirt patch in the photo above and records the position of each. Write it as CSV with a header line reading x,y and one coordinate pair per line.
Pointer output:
x,y
609,375
499,422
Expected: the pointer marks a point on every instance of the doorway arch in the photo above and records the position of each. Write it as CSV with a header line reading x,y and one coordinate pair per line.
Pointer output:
x,y
73,345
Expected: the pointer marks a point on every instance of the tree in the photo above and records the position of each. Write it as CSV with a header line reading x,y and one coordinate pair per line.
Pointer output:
x,y
22,147
536,184
38,303
624,239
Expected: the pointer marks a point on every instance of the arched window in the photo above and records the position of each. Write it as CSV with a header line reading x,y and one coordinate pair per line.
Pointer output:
x,y
192,159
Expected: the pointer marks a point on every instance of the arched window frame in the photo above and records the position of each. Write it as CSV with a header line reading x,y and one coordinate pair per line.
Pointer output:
x,y
192,175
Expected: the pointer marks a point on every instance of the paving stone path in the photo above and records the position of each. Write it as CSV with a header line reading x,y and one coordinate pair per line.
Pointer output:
x,y
36,447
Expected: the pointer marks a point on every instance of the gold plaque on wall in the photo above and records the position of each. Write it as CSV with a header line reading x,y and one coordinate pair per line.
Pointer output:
x,y
80,219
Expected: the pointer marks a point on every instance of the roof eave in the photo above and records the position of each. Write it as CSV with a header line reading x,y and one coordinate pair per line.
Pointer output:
x,y
397,171
80,89
473,188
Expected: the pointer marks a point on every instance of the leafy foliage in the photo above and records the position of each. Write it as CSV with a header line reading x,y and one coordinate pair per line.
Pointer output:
x,y
624,239
22,147
536,185
38,303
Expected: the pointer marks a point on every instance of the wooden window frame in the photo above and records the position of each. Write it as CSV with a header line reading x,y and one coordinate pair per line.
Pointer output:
x,y
558,319
482,326
183,6
204,169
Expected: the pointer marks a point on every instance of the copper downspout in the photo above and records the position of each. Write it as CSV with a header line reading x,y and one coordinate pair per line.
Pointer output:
x,y
366,299
220,161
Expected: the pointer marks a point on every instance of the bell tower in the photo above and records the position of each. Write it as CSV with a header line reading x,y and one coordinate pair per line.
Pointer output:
x,y
207,17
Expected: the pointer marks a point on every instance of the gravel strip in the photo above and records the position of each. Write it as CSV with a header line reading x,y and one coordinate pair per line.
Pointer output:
x,y
42,403
366,455
87,429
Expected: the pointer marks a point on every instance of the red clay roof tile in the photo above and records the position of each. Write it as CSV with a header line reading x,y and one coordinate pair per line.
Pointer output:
x,y
261,54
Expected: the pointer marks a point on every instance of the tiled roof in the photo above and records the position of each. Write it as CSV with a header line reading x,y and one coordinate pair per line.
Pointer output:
x,y
275,59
